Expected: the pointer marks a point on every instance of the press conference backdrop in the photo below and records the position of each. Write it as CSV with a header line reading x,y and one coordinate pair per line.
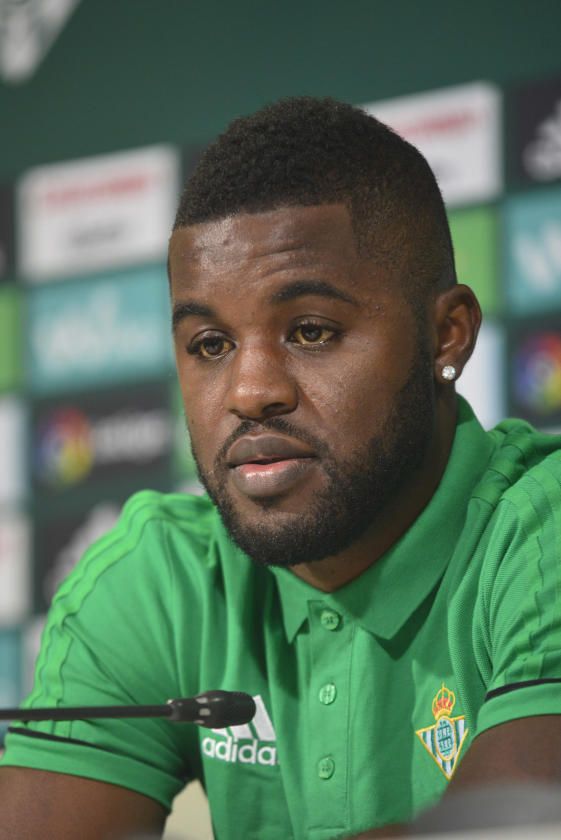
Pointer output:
x,y
89,408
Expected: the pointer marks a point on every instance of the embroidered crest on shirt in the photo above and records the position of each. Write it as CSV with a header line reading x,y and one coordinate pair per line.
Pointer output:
x,y
445,738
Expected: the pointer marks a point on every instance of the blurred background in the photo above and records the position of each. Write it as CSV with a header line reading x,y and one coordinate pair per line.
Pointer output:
x,y
105,106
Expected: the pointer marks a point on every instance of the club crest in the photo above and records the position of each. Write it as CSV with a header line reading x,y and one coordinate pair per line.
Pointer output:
x,y
445,738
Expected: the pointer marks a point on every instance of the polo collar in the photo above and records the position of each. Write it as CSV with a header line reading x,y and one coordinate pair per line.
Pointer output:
x,y
383,597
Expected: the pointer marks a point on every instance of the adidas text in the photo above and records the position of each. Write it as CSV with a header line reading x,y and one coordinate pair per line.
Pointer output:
x,y
246,753
248,743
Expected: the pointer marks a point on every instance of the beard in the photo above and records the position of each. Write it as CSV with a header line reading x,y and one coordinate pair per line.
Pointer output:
x,y
357,489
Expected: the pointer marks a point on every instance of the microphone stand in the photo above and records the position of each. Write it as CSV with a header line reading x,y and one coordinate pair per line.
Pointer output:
x,y
213,709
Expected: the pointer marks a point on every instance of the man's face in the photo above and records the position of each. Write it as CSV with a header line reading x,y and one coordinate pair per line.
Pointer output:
x,y
307,383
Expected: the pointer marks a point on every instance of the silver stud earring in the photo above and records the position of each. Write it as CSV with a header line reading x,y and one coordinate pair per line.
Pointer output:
x,y
449,372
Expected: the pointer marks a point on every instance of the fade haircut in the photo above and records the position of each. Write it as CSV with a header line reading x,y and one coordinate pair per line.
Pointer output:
x,y
305,151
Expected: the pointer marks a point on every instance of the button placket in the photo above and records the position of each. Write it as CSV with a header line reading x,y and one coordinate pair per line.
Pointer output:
x,y
330,645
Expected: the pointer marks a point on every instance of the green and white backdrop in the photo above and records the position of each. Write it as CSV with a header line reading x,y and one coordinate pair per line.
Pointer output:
x,y
104,107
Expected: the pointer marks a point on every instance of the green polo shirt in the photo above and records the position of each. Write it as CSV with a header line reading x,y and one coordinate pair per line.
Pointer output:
x,y
367,698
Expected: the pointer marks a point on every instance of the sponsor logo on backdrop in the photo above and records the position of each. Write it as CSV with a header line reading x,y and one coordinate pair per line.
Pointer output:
x,y
97,213
537,133
28,29
542,157
532,226
15,584
12,441
64,448
106,435
458,130
536,372
6,231
107,330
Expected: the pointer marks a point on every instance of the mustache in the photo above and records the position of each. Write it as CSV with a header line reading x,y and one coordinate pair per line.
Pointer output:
x,y
273,424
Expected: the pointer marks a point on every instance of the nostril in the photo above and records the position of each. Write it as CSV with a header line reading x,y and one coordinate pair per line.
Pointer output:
x,y
276,408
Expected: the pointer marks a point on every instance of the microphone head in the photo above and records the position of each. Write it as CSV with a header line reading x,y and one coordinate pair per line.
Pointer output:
x,y
215,709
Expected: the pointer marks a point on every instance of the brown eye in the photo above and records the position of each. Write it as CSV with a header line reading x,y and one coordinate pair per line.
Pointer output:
x,y
213,347
309,334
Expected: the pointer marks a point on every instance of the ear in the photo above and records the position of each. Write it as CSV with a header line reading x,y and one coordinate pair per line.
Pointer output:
x,y
457,317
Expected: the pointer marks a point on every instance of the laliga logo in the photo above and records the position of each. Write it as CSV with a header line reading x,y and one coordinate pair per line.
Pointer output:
x,y
537,372
65,448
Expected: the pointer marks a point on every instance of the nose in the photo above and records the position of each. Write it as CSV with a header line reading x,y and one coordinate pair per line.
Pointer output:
x,y
260,384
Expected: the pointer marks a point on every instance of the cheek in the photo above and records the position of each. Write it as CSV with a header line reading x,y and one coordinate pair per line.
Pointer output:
x,y
204,415
352,403
344,388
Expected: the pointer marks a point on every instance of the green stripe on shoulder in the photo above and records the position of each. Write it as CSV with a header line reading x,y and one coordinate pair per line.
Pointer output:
x,y
144,507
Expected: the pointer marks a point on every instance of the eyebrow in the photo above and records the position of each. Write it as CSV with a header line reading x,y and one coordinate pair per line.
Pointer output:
x,y
300,288
190,308
320,288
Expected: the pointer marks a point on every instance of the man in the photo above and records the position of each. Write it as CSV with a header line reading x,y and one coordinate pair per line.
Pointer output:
x,y
399,621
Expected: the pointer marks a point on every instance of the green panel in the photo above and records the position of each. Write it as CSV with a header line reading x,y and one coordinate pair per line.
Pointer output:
x,y
123,74
475,237
10,339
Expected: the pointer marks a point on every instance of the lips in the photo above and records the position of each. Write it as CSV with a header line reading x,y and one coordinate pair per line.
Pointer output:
x,y
269,465
265,449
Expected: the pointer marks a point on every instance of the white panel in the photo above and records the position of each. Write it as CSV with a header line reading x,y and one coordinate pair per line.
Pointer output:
x,y
482,382
15,591
97,213
457,129
12,450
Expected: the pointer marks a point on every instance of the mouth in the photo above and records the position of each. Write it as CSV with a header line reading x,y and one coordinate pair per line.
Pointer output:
x,y
269,465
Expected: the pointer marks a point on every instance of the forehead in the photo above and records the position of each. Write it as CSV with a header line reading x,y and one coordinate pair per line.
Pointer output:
x,y
265,243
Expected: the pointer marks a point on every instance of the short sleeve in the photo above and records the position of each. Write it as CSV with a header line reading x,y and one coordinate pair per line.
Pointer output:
x,y
109,640
522,597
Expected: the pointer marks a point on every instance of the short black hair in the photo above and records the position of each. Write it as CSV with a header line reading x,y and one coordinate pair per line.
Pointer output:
x,y
306,151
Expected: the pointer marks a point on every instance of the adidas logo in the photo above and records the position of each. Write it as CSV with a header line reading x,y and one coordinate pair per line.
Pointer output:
x,y
542,157
250,743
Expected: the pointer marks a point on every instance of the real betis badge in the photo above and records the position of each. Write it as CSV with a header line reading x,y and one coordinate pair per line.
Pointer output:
x,y
445,738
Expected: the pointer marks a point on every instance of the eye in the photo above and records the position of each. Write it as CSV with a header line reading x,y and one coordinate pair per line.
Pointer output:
x,y
310,334
211,347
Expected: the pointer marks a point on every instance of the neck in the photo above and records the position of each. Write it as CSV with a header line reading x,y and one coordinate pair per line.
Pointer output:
x,y
394,519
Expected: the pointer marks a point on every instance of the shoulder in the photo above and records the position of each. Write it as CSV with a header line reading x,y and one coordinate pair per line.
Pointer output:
x,y
521,546
192,519
524,470
155,535
521,496
530,462
139,588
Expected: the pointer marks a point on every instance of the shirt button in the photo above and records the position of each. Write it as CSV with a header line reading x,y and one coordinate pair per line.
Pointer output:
x,y
330,619
327,694
326,768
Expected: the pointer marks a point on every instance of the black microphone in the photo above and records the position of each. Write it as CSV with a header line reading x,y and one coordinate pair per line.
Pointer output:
x,y
213,709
